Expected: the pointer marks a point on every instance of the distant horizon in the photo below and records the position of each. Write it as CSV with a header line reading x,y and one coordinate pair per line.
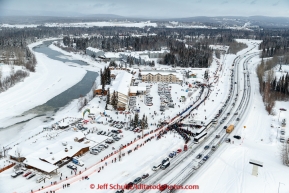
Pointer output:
x,y
138,17
161,9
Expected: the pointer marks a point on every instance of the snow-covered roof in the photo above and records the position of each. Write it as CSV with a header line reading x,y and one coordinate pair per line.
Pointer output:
x,y
144,57
133,89
42,146
100,87
111,55
58,151
122,82
41,165
94,49
141,88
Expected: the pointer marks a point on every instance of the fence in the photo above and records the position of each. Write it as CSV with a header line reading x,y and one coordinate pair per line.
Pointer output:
x,y
7,167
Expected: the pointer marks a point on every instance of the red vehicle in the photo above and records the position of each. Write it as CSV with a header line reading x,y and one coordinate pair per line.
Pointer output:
x,y
26,174
179,150
163,187
185,147
119,131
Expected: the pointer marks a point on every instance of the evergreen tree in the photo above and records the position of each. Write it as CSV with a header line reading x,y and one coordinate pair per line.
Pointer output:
x,y
136,120
103,85
143,122
101,78
104,74
108,97
108,78
114,100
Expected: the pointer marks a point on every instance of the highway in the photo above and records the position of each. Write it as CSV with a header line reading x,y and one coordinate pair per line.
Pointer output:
x,y
186,173
180,162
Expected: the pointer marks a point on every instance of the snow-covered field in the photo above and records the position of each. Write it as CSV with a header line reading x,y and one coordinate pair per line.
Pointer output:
x,y
18,25
228,170
145,157
86,24
6,69
283,72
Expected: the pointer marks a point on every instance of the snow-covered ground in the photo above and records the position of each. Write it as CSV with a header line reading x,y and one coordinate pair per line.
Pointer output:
x,y
86,24
219,47
50,79
18,25
6,69
228,170
93,65
145,157
283,72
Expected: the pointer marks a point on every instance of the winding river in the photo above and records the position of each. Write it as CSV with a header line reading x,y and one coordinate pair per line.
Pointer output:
x,y
45,111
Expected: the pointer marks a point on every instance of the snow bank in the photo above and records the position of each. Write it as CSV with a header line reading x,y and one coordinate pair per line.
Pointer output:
x,y
102,23
50,79
6,69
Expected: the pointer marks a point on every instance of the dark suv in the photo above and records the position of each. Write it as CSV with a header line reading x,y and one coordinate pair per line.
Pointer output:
x,y
237,137
137,180
17,174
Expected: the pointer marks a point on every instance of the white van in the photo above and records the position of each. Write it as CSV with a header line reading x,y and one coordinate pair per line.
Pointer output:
x,y
39,179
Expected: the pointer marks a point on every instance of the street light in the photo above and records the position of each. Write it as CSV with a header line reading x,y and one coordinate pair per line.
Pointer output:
x,y
279,186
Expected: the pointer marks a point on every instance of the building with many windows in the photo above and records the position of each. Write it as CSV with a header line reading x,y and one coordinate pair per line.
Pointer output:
x,y
121,85
94,52
161,76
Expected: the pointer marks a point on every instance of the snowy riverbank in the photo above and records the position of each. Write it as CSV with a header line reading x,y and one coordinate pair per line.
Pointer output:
x,y
50,79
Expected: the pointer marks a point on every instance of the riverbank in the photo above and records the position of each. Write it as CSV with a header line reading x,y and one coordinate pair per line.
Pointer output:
x,y
50,79
93,65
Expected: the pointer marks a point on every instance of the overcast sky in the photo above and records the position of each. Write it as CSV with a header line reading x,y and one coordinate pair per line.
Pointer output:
x,y
148,8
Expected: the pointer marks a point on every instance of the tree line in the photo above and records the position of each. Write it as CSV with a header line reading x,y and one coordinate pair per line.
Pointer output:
x,y
11,79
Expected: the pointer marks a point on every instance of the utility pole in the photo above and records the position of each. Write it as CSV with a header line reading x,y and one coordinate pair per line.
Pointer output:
x,y
279,186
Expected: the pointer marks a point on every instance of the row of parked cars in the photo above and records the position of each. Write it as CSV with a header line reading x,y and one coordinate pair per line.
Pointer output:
x,y
97,149
148,100
109,134
163,165
28,175
116,124
132,101
136,181
221,110
134,129
174,153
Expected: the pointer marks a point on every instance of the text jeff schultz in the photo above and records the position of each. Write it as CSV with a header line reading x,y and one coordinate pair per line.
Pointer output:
x,y
143,186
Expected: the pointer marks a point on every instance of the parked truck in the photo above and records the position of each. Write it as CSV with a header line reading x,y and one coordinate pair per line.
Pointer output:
x,y
77,162
230,129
